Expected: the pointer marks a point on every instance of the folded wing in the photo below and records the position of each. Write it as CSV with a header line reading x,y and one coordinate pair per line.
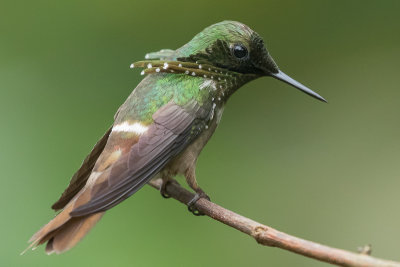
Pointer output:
x,y
174,127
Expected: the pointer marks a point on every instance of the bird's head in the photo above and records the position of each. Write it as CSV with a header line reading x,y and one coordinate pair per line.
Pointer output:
x,y
227,51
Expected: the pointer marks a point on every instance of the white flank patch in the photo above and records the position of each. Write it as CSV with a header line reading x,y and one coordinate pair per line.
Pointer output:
x,y
207,84
126,127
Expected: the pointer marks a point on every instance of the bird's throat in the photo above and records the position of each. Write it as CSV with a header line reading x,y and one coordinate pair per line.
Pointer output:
x,y
224,80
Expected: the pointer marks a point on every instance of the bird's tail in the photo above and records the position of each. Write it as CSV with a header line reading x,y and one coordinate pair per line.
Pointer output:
x,y
64,232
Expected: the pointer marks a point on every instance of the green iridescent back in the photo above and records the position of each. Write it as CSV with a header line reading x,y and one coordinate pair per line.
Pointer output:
x,y
156,90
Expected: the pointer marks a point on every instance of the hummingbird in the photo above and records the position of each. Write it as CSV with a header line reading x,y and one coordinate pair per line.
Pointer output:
x,y
162,127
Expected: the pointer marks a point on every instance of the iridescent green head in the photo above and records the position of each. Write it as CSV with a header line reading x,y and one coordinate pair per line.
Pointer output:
x,y
230,45
227,51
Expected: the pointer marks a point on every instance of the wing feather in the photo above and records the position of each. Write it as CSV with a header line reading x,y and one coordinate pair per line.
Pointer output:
x,y
174,127
79,179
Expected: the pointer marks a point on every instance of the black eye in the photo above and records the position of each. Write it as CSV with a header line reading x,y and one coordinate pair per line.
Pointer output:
x,y
239,51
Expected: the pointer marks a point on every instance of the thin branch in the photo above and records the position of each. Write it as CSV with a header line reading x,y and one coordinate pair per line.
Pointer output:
x,y
269,236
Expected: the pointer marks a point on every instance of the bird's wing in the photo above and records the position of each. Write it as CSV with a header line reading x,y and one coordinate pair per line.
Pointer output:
x,y
173,128
80,178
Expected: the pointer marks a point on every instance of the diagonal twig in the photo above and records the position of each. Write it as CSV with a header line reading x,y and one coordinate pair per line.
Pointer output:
x,y
269,236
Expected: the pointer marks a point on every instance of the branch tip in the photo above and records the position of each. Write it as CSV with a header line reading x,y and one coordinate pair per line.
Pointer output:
x,y
268,236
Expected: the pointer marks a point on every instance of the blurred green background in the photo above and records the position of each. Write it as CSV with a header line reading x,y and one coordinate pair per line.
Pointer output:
x,y
324,172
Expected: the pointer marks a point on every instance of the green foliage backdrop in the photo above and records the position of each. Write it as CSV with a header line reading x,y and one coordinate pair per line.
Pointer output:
x,y
325,172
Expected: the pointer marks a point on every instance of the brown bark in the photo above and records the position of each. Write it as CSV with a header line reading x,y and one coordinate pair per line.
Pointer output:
x,y
269,236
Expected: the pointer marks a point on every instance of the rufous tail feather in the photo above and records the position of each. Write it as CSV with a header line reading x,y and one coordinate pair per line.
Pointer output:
x,y
64,232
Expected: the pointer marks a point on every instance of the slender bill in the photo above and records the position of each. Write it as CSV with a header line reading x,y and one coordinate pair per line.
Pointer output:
x,y
285,78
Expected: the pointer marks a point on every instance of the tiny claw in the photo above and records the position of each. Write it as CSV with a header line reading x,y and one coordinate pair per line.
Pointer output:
x,y
164,195
163,189
193,201
190,205
195,212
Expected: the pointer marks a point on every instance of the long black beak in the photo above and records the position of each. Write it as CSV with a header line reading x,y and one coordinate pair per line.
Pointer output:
x,y
285,78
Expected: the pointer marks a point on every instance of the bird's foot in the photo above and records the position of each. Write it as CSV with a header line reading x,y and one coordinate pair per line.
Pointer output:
x,y
193,201
163,188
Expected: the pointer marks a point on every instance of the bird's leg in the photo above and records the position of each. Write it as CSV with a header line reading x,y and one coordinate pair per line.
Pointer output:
x,y
192,182
165,181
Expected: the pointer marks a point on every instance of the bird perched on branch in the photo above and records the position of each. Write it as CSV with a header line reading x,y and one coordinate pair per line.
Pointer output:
x,y
162,127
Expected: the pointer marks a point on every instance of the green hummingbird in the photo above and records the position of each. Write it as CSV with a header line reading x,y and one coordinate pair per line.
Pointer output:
x,y
162,127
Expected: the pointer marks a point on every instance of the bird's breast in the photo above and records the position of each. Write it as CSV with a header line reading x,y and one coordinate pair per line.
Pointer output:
x,y
187,158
